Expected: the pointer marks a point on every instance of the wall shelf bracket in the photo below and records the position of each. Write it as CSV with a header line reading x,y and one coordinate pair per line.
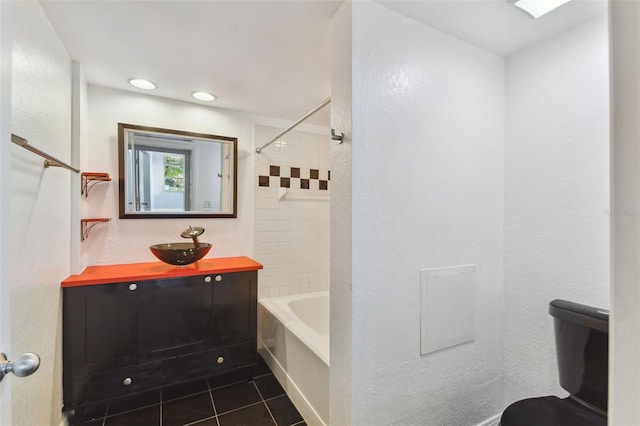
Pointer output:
x,y
87,224
89,179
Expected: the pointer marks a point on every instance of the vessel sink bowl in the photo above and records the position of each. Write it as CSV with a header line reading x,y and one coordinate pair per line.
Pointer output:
x,y
180,253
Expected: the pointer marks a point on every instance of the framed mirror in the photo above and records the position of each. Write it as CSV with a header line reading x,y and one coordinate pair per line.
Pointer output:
x,y
165,173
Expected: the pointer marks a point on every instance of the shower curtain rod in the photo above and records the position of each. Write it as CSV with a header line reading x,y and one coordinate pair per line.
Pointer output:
x,y
49,161
294,125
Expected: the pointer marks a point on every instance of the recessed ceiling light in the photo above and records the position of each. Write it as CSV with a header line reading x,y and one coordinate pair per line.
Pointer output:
x,y
537,8
203,96
141,83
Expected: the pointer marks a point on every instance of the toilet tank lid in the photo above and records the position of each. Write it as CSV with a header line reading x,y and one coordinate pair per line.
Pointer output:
x,y
584,315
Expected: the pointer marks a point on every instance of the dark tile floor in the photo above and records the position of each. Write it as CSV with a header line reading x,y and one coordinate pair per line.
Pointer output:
x,y
259,402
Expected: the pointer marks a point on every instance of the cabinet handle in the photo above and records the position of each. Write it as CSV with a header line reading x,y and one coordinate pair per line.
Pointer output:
x,y
207,279
127,381
133,286
220,360
218,278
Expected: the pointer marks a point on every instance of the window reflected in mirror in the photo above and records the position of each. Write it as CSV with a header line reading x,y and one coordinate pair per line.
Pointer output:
x,y
173,173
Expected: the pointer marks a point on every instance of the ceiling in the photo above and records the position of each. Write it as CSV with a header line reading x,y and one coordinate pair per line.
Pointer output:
x,y
264,57
496,25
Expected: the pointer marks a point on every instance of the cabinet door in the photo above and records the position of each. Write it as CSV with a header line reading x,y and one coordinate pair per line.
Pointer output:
x,y
175,316
100,324
234,308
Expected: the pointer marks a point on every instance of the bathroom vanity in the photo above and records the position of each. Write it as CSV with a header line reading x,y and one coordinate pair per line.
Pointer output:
x,y
135,327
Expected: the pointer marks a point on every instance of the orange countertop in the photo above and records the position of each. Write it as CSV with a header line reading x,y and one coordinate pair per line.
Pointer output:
x,y
154,270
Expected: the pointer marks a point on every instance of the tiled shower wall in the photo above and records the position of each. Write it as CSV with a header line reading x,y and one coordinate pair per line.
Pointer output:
x,y
291,218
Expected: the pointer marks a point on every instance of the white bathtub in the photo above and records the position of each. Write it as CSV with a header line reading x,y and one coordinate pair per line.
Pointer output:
x,y
293,334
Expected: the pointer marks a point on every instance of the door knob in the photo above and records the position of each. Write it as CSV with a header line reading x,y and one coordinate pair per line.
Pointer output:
x,y
25,365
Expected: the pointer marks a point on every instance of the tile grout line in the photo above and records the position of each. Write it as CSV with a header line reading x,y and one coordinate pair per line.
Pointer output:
x,y
132,409
183,397
198,421
276,397
271,397
217,388
215,410
106,414
265,403
239,408
262,375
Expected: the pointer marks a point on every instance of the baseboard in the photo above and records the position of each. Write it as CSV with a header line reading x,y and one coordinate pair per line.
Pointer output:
x,y
493,421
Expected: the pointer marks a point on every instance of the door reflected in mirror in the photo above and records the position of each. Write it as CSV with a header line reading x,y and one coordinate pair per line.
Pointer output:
x,y
167,173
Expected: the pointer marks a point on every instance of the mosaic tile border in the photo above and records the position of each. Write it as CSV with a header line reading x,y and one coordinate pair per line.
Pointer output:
x,y
285,177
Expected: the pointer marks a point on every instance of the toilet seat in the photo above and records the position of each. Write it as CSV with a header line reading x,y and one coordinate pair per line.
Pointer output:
x,y
550,411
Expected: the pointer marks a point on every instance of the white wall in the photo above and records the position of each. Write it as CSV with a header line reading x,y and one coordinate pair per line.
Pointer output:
x,y
6,41
208,183
341,219
40,210
127,240
427,192
291,235
556,196
624,376
79,138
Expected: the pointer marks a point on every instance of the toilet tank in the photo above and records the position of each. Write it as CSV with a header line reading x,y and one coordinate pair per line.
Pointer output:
x,y
582,349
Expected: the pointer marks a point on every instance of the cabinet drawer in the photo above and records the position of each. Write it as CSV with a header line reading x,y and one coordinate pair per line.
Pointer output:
x,y
119,382
212,362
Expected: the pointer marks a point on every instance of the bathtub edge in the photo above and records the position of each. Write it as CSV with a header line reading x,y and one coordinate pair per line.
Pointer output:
x,y
309,414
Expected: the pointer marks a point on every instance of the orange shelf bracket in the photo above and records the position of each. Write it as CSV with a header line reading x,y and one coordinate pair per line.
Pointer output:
x,y
87,224
89,179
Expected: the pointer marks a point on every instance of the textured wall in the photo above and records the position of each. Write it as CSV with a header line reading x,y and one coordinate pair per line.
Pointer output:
x,y
556,196
341,219
40,211
427,192
624,376
291,235
6,38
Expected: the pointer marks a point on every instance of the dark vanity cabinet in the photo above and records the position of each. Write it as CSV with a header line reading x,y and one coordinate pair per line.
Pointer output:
x,y
125,337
